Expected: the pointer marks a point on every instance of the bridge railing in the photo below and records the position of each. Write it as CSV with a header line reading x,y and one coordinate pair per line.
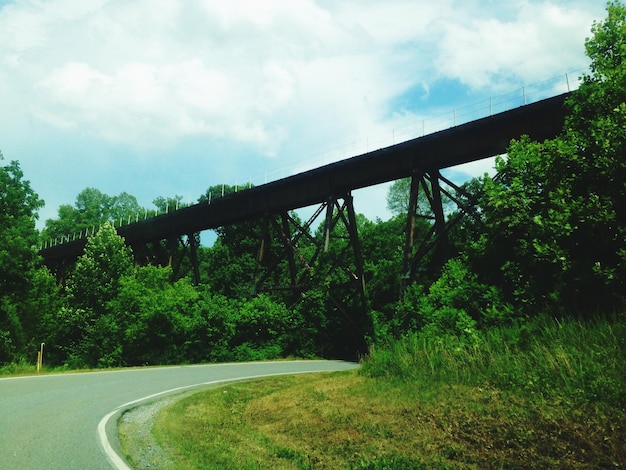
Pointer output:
x,y
430,124
417,128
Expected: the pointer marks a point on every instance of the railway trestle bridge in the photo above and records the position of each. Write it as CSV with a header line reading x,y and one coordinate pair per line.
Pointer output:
x,y
168,238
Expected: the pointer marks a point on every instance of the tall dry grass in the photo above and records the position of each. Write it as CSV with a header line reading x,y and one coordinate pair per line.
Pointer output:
x,y
580,361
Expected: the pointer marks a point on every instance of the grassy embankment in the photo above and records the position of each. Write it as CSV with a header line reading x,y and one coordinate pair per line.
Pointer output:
x,y
549,395
23,367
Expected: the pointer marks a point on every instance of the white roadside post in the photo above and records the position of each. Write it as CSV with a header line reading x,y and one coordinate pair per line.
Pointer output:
x,y
40,357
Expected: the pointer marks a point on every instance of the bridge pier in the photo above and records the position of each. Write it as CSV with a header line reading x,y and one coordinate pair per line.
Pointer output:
x,y
332,259
439,192
186,250
178,252
293,236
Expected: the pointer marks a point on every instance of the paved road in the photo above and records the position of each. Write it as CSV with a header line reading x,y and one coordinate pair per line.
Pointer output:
x,y
52,421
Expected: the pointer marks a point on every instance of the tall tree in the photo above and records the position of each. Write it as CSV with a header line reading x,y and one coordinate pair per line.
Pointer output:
x,y
18,259
168,204
398,198
96,276
86,333
91,209
18,212
556,216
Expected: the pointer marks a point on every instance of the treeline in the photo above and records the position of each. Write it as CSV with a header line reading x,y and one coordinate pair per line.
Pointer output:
x,y
111,311
548,235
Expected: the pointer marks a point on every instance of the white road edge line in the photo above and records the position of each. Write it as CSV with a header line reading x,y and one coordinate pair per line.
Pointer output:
x,y
117,462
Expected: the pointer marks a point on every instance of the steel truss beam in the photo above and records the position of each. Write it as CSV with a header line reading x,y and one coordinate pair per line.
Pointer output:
x,y
435,188
306,261
178,252
339,212
460,144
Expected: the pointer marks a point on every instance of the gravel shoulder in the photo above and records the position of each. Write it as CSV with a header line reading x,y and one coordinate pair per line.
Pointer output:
x,y
139,446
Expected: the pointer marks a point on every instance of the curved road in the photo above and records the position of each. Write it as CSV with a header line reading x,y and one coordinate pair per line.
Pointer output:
x,y
68,421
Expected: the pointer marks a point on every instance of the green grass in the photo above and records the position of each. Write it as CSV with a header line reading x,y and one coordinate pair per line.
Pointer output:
x,y
579,361
550,395
22,368
18,368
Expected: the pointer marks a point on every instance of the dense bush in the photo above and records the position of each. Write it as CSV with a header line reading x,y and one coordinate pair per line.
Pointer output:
x,y
119,315
457,303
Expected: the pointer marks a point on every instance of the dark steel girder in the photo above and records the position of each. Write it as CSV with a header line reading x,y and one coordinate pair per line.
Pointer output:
x,y
461,144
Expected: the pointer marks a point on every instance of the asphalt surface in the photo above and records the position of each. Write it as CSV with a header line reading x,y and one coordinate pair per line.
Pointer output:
x,y
69,421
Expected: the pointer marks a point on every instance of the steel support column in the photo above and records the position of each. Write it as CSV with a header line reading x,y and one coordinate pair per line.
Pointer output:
x,y
436,189
334,254
409,233
436,237
443,248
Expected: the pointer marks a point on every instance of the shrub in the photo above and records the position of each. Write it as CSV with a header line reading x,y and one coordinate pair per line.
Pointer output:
x,y
456,304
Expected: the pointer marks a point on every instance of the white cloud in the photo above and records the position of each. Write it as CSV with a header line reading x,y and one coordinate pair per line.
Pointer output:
x,y
486,51
133,67
284,79
223,68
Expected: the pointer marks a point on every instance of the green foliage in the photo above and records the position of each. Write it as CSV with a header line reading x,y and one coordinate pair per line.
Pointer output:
x,y
86,332
227,270
167,204
552,233
382,244
91,210
527,224
20,367
261,329
95,279
577,361
33,312
229,267
158,322
18,211
555,217
18,260
312,336
398,198
607,47
457,304
151,320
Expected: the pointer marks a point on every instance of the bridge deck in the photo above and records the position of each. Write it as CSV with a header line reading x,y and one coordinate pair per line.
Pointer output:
x,y
473,141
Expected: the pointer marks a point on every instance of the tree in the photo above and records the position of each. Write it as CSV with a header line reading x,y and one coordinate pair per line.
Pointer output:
x,y
382,244
18,258
95,279
230,264
18,237
167,204
556,215
36,310
91,209
155,321
398,198
124,207
85,329
262,329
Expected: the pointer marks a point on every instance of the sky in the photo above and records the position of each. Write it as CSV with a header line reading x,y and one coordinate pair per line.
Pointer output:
x,y
168,97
